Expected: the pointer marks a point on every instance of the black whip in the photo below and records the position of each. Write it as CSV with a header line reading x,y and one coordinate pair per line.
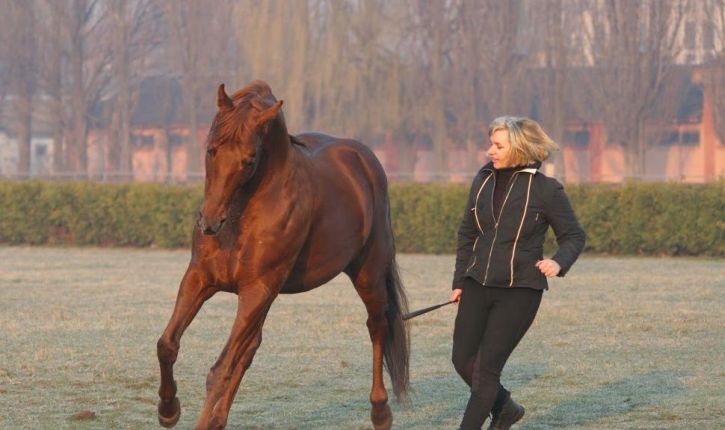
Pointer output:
x,y
425,310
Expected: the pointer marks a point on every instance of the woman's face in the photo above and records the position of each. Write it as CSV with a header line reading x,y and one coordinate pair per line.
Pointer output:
x,y
500,149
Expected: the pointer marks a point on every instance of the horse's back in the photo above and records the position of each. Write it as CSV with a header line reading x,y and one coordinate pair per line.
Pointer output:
x,y
340,165
350,190
323,147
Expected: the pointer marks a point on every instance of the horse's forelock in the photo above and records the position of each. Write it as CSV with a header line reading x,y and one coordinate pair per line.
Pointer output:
x,y
228,124
257,90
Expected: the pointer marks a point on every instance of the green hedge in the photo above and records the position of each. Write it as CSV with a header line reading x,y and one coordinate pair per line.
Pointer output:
x,y
85,213
650,219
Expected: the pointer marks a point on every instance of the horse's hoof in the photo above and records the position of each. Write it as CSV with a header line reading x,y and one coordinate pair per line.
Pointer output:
x,y
382,420
169,415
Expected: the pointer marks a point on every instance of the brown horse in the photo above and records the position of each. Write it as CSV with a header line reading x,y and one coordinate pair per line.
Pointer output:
x,y
285,214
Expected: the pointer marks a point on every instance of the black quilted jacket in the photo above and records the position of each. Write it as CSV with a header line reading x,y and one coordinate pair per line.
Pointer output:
x,y
501,251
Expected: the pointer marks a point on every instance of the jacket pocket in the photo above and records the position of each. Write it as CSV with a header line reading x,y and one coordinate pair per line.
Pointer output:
x,y
533,222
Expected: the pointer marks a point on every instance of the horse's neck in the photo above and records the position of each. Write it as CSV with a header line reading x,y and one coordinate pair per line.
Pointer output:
x,y
275,169
277,158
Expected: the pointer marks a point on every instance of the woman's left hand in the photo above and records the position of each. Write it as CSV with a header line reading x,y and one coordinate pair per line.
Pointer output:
x,y
548,267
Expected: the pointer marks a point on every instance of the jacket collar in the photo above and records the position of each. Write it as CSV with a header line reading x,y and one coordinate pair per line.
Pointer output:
x,y
531,168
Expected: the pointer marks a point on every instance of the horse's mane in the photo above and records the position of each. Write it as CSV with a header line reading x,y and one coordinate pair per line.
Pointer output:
x,y
257,95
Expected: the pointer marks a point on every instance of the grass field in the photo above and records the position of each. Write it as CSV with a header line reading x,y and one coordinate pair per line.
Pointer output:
x,y
636,343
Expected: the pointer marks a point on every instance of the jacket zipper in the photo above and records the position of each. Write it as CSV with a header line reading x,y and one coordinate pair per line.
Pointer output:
x,y
495,231
475,204
518,233
475,257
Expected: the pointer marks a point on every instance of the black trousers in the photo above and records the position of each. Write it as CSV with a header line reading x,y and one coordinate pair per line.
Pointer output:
x,y
490,323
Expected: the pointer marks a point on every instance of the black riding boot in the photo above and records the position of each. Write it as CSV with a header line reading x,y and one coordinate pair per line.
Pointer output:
x,y
510,413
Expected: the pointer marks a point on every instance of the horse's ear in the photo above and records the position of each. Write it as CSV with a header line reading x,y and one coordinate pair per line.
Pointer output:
x,y
223,102
269,114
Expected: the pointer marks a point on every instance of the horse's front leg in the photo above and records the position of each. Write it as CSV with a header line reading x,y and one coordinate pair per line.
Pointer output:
x,y
226,375
193,292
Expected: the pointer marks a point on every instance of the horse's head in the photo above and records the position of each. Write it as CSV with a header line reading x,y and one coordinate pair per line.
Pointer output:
x,y
234,148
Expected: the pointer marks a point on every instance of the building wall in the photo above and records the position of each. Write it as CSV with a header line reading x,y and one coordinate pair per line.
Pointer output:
x,y
41,156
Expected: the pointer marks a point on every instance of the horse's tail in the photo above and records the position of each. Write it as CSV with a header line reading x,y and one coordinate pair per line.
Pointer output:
x,y
397,342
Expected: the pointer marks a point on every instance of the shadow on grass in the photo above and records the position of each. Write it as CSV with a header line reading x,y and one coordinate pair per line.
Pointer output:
x,y
446,397
435,402
617,398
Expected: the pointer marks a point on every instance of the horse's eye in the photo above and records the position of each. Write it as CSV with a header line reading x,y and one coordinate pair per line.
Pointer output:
x,y
210,152
249,162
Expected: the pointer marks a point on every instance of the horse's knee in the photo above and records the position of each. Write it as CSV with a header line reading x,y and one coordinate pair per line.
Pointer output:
x,y
166,350
211,378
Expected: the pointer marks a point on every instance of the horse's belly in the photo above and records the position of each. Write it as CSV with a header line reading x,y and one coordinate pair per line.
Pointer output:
x,y
328,252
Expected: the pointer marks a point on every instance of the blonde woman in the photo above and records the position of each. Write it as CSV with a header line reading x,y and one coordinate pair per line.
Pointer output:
x,y
501,271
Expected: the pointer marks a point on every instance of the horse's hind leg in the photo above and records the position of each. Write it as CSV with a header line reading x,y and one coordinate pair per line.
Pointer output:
x,y
193,292
369,280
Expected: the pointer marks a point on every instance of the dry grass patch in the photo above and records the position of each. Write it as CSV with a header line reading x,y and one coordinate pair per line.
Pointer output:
x,y
632,343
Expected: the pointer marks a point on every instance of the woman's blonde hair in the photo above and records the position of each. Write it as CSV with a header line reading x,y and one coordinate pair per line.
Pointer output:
x,y
529,142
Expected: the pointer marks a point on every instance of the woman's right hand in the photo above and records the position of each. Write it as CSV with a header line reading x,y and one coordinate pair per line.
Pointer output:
x,y
456,295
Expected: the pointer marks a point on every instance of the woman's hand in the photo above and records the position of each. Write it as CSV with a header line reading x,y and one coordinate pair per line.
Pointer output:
x,y
456,295
548,267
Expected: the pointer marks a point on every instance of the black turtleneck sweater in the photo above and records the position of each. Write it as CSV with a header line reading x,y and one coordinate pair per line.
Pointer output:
x,y
503,176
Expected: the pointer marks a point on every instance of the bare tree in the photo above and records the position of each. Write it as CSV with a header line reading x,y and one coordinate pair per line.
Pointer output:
x,y
433,30
22,56
199,37
633,46
50,71
274,37
555,68
88,55
135,35
468,74
186,32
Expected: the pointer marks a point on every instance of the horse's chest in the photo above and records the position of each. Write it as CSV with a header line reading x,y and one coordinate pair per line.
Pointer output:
x,y
225,270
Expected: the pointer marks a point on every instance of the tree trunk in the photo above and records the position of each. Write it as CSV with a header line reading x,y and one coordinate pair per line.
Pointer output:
x,y
56,109
124,96
79,154
24,112
193,164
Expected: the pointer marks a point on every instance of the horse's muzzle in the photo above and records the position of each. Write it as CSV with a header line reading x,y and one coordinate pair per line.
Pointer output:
x,y
210,227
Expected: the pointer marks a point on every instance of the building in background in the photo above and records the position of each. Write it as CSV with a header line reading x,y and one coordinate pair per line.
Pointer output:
x,y
560,62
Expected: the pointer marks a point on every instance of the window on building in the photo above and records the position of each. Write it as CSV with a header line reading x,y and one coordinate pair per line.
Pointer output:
x,y
40,151
669,139
684,138
690,35
690,138
577,139
142,140
175,139
708,37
